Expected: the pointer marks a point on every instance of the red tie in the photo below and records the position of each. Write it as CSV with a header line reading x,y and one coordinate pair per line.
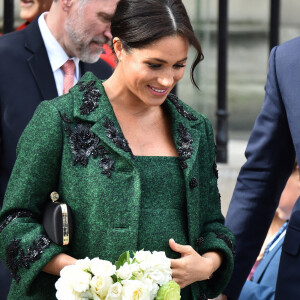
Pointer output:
x,y
68,68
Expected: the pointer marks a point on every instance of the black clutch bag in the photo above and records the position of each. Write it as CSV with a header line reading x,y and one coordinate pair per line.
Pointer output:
x,y
57,221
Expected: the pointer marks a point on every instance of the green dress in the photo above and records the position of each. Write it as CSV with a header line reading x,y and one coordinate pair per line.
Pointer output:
x,y
164,204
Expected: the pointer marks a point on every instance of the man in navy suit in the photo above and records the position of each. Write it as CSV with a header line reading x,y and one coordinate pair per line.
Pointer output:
x,y
270,153
30,69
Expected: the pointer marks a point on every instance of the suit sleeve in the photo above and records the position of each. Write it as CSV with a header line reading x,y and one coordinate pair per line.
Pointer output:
x,y
270,156
24,247
215,236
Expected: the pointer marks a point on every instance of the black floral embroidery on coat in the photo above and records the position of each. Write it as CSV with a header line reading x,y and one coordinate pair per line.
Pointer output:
x,y
16,256
185,149
203,297
106,163
193,183
68,129
85,143
15,215
113,133
227,241
12,251
180,108
199,241
91,96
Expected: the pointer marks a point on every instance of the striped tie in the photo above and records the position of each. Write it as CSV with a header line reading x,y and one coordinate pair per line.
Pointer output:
x,y
68,68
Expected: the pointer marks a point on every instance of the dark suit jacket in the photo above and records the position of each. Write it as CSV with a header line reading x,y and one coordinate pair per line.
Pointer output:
x,y
270,158
26,79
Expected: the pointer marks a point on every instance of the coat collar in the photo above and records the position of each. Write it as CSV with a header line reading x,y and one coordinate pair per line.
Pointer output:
x,y
92,105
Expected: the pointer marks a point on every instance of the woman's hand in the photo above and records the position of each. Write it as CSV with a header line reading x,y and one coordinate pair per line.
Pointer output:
x,y
192,267
55,265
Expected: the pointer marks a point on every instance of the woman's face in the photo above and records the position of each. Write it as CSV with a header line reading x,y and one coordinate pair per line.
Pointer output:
x,y
30,9
150,73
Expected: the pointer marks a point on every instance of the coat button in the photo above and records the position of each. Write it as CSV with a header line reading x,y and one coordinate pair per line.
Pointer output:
x,y
193,183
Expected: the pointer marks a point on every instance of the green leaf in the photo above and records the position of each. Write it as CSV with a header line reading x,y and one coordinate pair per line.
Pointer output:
x,y
124,257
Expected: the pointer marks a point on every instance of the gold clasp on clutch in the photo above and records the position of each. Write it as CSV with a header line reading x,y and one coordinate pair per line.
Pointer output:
x,y
54,196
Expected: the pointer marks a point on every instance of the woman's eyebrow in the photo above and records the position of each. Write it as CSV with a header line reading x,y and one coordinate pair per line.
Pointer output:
x,y
164,61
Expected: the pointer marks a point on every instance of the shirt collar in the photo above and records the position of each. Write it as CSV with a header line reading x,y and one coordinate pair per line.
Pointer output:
x,y
57,55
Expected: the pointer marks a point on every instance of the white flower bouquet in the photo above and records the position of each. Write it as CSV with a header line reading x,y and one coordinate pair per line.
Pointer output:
x,y
145,276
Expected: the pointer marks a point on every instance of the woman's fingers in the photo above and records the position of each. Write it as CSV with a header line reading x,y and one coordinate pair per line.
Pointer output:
x,y
183,249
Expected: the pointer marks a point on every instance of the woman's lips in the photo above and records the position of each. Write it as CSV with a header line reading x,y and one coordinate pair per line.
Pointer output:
x,y
158,91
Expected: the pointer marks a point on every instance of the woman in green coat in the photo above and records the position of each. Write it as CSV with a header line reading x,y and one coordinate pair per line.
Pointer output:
x,y
134,163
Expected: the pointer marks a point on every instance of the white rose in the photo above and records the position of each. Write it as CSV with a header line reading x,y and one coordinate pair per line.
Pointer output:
x,y
114,292
76,278
135,290
142,255
100,286
135,268
124,272
65,290
161,258
151,286
159,268
68,294
86,295
84,264
101,267
159,276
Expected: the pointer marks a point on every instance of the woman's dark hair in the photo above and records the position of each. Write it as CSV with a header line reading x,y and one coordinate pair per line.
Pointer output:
x,y
137,23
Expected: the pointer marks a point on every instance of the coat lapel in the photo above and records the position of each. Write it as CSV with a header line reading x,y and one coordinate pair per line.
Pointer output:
x,y
105,124
89,93
38,62
185,134
107,128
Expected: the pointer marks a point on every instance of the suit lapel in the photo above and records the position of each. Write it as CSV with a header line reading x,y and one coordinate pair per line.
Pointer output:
x,y
38,62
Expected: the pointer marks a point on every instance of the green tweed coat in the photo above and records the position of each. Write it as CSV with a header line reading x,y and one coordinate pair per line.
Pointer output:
x,y
74,145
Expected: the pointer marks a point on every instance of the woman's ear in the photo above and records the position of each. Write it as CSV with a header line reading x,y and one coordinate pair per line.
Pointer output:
x,y
118,47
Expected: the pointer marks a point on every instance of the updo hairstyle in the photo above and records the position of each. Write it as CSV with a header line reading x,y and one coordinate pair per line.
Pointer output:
x,y
137,23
